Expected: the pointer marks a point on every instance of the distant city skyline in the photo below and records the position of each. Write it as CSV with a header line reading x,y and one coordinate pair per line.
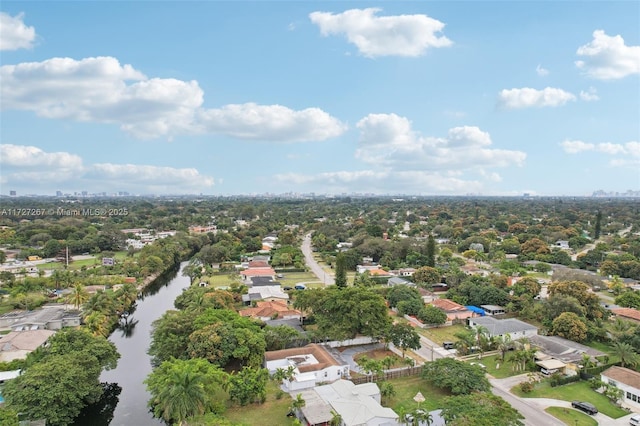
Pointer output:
x,y
413,98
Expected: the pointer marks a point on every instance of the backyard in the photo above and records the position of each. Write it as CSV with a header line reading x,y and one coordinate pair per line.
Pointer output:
x,y
442,334
496,368
578,391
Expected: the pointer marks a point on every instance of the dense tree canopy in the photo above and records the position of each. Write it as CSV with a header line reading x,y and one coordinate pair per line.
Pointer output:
x,y
455,376
480,409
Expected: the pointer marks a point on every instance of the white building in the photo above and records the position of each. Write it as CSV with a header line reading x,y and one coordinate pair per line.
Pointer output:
x,y
312,364
501,327
628,381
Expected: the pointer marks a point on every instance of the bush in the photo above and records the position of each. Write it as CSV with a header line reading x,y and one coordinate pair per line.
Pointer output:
x,y
559,380
527,387
280,394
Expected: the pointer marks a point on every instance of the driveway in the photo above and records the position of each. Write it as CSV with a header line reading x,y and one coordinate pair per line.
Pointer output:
x,y
348,354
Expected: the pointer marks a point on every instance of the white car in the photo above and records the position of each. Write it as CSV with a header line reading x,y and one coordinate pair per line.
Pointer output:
x,y
634,420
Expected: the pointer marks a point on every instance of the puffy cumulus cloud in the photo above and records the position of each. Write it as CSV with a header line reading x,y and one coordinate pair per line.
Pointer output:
x,y
527,97
103,90
590,95
389,140
608,58
39,168
31,156
271,122
542,72
627,153
399,35
14,34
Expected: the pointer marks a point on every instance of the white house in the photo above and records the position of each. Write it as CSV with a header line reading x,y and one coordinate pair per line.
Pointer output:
x,y
311,364
357,405
501,327
628,381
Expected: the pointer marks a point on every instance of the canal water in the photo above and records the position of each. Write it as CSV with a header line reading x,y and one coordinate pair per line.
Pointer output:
x,y
124,402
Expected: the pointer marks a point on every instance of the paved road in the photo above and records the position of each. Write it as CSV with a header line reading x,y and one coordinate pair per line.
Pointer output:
x,y
324,276
532,412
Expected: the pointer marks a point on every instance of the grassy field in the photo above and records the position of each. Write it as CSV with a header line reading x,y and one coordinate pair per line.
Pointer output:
x,y
579,391
442,334
272,413
571,417
407,387
379,354
496,368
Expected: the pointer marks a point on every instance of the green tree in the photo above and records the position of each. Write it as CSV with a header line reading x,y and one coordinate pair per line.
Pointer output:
x,y
341,271
626,353
184,388
56,388
248,385
431,315
431,251
78,296
598,225
479,409
426,275
404,336
629,299
455,376
570,326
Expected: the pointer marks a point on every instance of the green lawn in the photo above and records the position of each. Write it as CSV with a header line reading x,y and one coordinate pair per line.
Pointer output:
x,y
272,413
571,417
496,368
407,387
442,334
579,391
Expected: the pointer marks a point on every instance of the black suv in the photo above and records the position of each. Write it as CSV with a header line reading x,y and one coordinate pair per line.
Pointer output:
x,y
585,406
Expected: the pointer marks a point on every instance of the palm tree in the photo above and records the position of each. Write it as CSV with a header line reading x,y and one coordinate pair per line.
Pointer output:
x,y
503,345
297,403
387,390
626,353
78,296
403,415
336,419
183,396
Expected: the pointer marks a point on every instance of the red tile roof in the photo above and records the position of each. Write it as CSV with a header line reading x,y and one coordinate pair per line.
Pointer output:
x,y
268,309
258,272
448,305
627,313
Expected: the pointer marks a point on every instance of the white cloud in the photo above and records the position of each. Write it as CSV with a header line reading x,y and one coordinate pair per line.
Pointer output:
x,y
399,35
104,91
628,153
608,58
528,97
590,95
541,71
31,156
14,34
388,139
271,122
574,147
40,169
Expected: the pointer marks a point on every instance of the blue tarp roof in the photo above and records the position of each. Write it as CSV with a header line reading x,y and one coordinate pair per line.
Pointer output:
x,y
476,310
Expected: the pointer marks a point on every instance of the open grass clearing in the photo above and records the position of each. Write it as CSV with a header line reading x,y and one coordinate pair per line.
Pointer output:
x,y
407,387
571,417
272,413
497,368
442,334
380,354
579,391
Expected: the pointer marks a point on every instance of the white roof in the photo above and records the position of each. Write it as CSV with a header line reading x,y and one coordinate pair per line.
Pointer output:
x,y
551,364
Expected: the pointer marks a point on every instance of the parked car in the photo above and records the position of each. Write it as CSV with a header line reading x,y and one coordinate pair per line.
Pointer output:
x,y
635,420
300,287
448,345
587,407
287,288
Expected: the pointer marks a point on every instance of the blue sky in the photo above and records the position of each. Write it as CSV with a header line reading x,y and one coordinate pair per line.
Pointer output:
x,y
222,98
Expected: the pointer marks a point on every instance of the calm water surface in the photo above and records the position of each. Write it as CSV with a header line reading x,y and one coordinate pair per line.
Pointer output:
x,y
126,389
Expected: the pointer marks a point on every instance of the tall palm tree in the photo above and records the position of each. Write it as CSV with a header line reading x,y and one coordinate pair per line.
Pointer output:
x,y
183,396
504,343
78,296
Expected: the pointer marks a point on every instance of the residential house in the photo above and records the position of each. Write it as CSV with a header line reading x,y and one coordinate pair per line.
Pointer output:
x,y
565,350
628,381
493,309
265,311
501,327
453,310
627,313
267,292
257,272
46,318
18,344
561,244
357,405
312,364
394,281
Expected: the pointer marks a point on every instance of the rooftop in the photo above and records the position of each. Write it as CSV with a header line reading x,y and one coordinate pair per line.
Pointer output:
x,y
497,327
448,305
627,313
563,349
623,375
